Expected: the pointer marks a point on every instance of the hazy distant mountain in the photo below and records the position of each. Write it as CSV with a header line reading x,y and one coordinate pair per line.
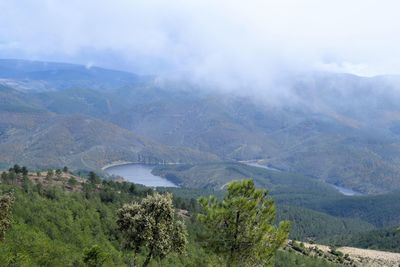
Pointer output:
x,y
82,142
45,76
339,128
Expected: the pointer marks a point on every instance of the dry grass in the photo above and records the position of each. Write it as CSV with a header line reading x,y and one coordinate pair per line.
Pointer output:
x,y
365,257
57,180
372,258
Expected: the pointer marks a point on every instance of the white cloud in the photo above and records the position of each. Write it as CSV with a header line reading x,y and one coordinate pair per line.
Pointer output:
x,y
232,42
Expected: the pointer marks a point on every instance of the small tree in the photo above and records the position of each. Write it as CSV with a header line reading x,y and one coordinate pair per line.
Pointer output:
x,y
24,170
72,181
4,176
152,224
240,228
50,174
58,173
16,168
65,169
6,203
93,178
12,177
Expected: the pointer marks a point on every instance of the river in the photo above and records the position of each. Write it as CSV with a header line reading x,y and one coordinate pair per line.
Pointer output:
x,y
341,189
255,164
346,191
139,174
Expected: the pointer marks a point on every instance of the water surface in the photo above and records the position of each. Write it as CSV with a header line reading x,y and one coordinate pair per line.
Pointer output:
x,y
255,164
343,190
346,191
139,174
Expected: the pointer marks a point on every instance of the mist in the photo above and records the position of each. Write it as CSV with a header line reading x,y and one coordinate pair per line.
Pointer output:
x,y
233,44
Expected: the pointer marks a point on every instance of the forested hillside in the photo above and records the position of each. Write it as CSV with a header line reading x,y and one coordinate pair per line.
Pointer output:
x,y
54,115
72,217
199,133
60,219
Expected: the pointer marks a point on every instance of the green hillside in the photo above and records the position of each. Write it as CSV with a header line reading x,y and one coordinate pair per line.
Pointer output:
x,y
56,227
309,225
379,239
286,187
380,210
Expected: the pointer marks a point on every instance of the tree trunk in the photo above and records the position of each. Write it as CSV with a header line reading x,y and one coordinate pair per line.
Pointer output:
x,y
148,258
135,259
234,246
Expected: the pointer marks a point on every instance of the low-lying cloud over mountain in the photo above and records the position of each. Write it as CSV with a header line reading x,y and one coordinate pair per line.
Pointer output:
x,y
232,43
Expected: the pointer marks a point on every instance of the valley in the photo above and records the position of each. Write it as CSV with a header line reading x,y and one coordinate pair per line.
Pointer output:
x,y
199,133
179,122
331,170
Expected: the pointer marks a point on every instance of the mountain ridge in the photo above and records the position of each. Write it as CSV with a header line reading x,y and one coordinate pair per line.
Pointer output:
x,y
342,129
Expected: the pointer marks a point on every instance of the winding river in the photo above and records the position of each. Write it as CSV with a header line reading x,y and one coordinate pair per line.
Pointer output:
x,y
346,191
255,164
343,190
139,174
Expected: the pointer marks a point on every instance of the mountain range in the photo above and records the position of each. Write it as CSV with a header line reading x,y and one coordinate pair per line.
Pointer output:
x,y
338,128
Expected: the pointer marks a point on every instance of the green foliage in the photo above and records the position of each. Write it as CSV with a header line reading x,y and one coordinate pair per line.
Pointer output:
x,y
290,259
379,210
152,224
4,177
6,204
52,228
94,257
24,170
65,169
93,178
16,168
72,181
50,174
217,174
380,239
310,225
241,227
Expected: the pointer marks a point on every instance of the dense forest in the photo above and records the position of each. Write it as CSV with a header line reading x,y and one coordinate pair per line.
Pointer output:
x,y
61,219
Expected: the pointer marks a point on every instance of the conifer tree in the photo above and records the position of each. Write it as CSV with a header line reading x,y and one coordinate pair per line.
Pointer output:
x,y
240,228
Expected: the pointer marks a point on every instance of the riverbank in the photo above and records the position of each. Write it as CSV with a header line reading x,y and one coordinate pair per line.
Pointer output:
x,y
117,163
122,162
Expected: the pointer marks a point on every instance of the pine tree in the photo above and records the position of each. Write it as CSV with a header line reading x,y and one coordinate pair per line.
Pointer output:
x,y
16,168
240,228
24,170
50,174
93,178
65,169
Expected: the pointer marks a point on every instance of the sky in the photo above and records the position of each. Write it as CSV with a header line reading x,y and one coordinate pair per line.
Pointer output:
x,y
225,41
